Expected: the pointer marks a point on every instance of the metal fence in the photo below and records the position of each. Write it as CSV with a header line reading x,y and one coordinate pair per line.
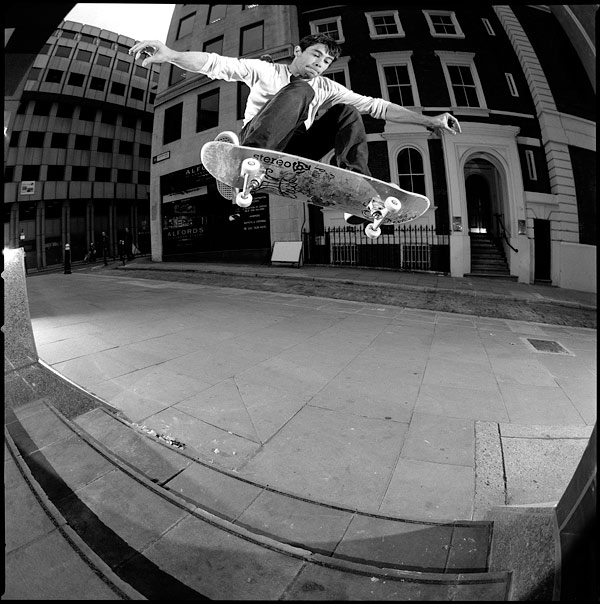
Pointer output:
x,y
402,247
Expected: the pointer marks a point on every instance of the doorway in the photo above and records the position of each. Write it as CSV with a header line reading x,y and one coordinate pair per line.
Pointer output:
x,y
479,207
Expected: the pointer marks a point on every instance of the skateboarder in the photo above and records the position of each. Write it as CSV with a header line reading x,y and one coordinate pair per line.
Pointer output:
x,y
281,111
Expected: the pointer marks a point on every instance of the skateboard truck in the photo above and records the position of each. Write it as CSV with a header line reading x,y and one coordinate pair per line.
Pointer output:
x,y
391,205
250,172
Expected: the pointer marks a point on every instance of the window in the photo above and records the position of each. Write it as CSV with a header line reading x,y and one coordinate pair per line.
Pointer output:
x,y
103,174
63,51
339,76
530,161
109,117
35,139
411,175
105,43
146,124
185,26
45,49
22,109
143,178
87,38
82,142
462,79
105,145
42,108
59,141
66,33
488,27
9,174
126,147
128,121
97,84
252,38
87,114
397,77
141,72
172,125
216,12
151,97
14,139
103,60
84,55
176,75
123,48
136,94
443,24
55,173
34,74
145,151
54,76
332,27
65,110
384,24
117,88
122,66
398,84
125,176
30,173
511,84
215,45
80,173
76,79
207,115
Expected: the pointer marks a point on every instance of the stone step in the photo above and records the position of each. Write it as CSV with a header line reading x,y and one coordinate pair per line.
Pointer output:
x,y
135,501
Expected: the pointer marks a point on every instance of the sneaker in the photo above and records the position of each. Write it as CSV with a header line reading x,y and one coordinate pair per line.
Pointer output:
x,y
225,190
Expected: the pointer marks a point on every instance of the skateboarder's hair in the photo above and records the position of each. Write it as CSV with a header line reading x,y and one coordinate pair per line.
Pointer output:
x,y
332,46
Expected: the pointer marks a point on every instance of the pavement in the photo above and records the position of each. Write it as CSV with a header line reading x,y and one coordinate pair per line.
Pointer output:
x,y
255,409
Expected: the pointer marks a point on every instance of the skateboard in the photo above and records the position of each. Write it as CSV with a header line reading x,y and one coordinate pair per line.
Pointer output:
x,y
249,170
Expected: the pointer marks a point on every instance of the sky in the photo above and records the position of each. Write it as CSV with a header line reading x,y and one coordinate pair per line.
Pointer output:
x,y
138,21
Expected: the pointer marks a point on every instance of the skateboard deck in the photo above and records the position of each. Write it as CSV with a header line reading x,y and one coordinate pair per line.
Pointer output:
x,y
312,182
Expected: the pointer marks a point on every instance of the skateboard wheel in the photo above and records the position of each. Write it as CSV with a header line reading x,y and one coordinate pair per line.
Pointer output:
x,y
393,204
250,166
372,232
242,200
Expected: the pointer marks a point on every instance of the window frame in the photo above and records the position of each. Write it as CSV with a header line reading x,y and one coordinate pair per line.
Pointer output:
x,y
396,58
446,13
384,13
338,21
512,86
188,18
450,58
247,28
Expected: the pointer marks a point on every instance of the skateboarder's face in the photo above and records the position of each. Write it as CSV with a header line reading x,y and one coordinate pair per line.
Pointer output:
x,y
311,62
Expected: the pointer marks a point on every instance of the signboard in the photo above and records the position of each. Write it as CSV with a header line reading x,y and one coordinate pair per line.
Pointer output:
x,y
27,187
161,157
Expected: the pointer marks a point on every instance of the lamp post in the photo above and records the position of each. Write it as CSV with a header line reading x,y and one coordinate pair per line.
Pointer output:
x,y
67,259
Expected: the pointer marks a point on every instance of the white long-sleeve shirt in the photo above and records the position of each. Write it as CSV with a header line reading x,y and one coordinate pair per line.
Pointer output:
x,y
267,79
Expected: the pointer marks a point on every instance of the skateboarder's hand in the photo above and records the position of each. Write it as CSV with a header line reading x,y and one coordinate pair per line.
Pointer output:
x,y
445,123
155,51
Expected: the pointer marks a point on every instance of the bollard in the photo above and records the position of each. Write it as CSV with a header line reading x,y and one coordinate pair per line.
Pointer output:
x,y
67,259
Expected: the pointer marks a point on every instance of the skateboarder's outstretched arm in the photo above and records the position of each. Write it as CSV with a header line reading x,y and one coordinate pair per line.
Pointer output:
x,y
444,122
160,53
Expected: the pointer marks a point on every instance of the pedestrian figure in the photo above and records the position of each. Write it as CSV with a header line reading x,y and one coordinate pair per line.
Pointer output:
x,y
128,244
122,251
105,245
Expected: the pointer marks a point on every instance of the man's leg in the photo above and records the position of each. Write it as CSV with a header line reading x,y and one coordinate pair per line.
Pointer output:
x,y
274,125
341,128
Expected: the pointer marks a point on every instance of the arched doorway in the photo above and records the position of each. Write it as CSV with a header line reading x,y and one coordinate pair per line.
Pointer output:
x,y
478,204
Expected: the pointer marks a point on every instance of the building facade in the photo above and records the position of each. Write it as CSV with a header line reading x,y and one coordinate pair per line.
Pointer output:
x,y
78,147
521,174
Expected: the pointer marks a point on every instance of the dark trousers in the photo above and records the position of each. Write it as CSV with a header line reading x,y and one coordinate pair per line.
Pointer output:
x,y
279,126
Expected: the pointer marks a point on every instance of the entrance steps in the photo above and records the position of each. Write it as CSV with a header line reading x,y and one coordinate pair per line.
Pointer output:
x,y
487,258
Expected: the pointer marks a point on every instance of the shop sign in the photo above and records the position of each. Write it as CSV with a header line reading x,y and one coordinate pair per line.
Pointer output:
x,y
27,187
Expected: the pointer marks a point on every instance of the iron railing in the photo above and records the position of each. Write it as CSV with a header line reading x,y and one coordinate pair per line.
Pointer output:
x,y
401,247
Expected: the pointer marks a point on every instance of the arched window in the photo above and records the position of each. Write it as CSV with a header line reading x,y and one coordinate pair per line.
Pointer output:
x,y
411,176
